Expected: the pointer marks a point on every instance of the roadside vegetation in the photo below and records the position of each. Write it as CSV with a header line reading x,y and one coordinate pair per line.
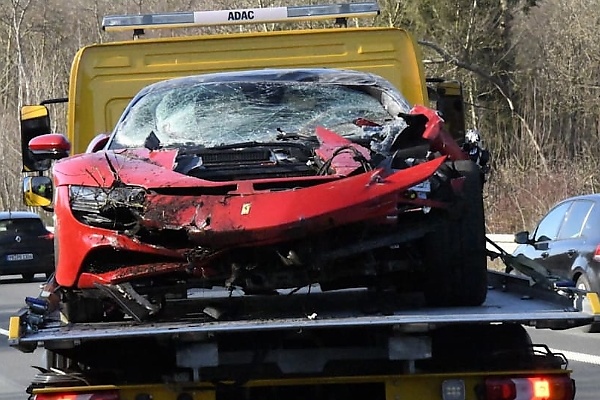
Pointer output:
x,y
530,68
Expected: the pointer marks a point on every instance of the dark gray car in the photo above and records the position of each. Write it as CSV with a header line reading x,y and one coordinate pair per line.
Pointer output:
x,y
26,245
567,241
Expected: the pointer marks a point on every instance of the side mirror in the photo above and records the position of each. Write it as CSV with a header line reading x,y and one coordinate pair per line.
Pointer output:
x,y
522,237
37,191
52,146
35,121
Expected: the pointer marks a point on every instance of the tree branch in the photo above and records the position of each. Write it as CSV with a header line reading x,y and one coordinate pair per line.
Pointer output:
x,y
449,58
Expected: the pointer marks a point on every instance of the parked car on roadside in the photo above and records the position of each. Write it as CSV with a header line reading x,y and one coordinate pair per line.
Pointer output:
x,y
26,245
566,241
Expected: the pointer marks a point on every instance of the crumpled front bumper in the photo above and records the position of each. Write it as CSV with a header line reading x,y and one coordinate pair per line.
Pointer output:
x,y
268,217
222,222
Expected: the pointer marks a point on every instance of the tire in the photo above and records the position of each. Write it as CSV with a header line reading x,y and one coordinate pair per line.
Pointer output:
x,y
28,277
455,253
583,283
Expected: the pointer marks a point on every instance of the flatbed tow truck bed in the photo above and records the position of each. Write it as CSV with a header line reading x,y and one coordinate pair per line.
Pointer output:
x,y
510,299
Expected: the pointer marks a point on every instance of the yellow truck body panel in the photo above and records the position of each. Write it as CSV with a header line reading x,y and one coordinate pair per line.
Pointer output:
x,y
104,77
390,387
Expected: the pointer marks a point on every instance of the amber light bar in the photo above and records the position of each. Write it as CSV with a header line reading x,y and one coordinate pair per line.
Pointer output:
x,y
239,16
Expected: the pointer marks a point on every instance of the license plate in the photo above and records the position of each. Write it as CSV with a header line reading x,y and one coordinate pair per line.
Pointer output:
x,y
19,257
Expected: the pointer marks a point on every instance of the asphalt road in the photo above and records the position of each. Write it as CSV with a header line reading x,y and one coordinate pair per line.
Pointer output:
x,y
15,367
581,348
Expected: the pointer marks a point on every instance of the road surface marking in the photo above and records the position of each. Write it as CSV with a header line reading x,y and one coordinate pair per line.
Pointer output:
x,y
3,332
581,357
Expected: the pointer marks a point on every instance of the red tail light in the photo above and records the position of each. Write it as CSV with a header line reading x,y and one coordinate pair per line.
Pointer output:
x,y
559,387
101,395
500,389
49,236
597,254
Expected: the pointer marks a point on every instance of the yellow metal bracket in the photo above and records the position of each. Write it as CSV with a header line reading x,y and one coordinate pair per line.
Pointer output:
x,y
594,302
14,328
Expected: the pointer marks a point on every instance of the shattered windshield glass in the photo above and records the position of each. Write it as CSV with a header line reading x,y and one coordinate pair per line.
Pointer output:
x,y
219,113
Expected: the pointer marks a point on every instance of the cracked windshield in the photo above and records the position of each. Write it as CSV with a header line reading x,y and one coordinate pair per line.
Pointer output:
x,y
213,114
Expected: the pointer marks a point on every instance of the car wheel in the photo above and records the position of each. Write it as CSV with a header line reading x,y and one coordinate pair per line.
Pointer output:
x,y
455,254
28,277
583,283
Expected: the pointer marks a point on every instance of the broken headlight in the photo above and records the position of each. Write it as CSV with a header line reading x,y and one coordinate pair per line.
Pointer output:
x,y
111,208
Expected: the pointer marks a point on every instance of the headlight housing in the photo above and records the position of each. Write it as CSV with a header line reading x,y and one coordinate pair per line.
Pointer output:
x,y
112,208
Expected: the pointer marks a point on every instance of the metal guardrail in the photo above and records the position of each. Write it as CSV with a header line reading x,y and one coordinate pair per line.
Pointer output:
x,y
505,241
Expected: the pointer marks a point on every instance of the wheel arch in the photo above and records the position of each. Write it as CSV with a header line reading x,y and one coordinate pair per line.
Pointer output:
x,y
588,272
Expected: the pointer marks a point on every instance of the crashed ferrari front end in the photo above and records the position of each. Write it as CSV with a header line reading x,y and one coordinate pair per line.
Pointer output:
x,y
124,225
260,181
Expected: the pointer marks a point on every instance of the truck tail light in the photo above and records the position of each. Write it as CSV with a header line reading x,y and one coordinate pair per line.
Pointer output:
x,y
558,387
100,395
500,389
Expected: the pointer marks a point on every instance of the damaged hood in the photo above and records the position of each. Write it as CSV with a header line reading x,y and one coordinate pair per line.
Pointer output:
x,y
136,167
174,167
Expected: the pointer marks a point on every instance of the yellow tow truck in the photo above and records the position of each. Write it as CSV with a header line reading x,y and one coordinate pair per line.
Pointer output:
x,y
345,344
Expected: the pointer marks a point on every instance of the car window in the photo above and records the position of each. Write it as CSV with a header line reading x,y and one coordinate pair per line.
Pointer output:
x,y
22,226
550,224
592,222
574,218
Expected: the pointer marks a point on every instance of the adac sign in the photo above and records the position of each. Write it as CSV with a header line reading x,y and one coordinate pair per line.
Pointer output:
x,y
240,15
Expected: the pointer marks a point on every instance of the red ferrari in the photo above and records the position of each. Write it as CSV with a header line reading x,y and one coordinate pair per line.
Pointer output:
x,y
265,180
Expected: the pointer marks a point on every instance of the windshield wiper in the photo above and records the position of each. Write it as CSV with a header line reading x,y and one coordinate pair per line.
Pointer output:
x,y
285,136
